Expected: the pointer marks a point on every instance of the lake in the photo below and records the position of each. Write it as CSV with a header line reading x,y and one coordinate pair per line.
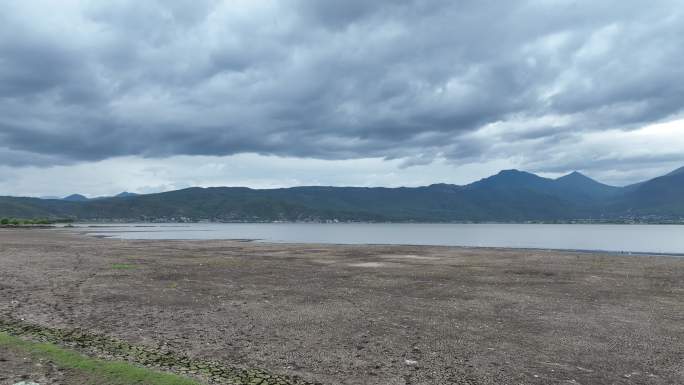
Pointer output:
x,y
666,239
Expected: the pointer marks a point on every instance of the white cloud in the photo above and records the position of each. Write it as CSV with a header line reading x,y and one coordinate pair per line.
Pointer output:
x,y
157,94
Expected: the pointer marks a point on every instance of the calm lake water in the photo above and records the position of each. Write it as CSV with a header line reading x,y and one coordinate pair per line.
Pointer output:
x,y
617,238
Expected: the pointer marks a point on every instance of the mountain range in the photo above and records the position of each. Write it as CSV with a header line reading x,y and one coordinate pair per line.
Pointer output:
x,y
83,198
509,196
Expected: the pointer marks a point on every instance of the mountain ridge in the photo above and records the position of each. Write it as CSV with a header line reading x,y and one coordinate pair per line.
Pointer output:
x,y
508,196
75,198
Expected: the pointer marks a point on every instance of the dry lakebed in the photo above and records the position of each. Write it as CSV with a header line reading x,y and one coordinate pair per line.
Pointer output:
x,y
217,311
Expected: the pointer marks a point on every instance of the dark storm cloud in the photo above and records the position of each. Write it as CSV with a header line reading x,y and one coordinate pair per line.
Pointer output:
x,y
331,79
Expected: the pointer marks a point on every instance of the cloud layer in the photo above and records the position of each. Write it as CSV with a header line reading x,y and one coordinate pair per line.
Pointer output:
x,y
532,82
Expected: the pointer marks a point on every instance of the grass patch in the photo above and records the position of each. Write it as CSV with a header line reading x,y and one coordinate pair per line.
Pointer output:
x,y
109,373
131,356
123,266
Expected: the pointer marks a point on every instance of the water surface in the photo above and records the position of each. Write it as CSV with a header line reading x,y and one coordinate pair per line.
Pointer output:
x,y
667,239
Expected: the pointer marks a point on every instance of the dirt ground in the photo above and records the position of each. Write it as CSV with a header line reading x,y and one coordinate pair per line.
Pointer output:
x,y
17,366
360,314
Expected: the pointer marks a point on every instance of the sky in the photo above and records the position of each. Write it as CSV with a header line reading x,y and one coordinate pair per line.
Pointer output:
x,y
99,97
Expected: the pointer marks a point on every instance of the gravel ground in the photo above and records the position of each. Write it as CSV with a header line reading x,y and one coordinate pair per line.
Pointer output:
x,y
359,314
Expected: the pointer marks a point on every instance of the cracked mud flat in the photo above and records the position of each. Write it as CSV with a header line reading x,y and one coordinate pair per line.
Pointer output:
x,y
356,314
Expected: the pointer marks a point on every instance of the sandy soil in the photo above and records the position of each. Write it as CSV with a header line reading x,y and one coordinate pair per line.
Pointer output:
x,y
361,314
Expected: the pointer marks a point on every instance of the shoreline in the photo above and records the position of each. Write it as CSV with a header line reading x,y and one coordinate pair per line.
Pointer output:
x,y
598,223
360,314
264,241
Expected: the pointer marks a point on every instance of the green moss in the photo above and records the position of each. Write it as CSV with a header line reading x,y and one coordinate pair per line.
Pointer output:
x,y
109,373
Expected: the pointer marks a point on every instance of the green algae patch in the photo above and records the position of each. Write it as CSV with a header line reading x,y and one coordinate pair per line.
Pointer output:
x,y
107,372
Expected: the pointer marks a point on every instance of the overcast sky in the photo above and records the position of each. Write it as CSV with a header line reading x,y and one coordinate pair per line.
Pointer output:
x,y
97,97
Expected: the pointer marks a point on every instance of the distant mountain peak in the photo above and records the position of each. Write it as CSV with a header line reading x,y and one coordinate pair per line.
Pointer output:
x,y
444,187
75,198
677,172
512,171
575,175
513,174
510,179
579,183
125,194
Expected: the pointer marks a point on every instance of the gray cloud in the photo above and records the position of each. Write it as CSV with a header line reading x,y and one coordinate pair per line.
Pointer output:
x,y
334,80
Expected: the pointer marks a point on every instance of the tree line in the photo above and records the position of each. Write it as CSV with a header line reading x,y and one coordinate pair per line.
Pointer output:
x,y
24,222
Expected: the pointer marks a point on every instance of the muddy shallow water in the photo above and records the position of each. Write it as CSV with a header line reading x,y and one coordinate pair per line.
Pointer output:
x,y
361,314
